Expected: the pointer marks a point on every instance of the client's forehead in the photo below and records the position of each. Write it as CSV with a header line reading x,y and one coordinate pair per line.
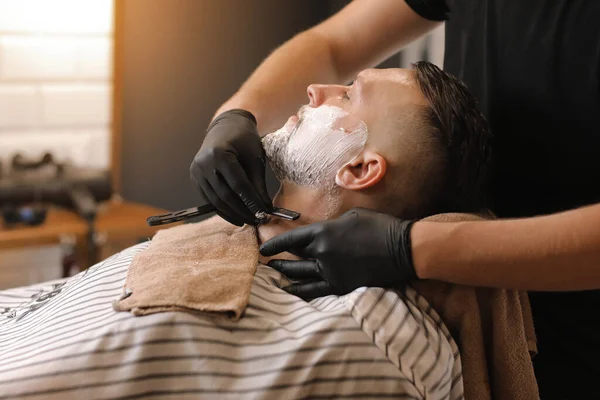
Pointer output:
x,y
386,96
394,86
398,75
397,82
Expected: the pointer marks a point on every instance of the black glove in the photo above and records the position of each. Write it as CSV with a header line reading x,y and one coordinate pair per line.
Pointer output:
x,y
229,168
361,248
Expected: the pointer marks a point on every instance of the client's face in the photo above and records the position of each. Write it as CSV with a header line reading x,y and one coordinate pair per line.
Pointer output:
x,y
311,147
333,128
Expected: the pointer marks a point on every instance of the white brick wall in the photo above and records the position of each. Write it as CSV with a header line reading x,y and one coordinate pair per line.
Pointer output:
x,y
55,85
56,16
18,106
55,79
75,105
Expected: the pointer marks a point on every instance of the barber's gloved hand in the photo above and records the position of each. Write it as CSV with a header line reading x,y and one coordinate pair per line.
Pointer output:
x,y
229,168
361,248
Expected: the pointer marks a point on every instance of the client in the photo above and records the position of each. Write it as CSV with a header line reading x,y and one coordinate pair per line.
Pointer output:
x,y
379,146
376,145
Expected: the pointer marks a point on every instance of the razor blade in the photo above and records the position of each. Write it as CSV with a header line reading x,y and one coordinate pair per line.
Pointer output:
x,y
188,213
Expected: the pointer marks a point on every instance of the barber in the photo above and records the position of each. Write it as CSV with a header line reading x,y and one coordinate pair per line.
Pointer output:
x,y
535,67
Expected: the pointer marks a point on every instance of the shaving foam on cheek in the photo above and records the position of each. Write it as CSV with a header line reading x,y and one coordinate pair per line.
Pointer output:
x,y
311,153
319,143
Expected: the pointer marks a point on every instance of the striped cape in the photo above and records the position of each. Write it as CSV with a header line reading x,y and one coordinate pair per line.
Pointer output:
x,y
63,340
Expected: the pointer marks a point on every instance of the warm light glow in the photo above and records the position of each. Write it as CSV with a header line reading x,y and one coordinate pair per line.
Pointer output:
x,y
68,16
55,79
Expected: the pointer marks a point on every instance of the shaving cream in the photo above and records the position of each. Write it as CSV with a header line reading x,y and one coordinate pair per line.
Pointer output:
x,y
312,151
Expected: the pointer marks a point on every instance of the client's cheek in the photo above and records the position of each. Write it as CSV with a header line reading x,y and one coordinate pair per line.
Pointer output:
x,y
350,125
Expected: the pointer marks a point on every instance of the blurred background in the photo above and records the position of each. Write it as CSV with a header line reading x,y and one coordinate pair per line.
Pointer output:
x,y
104,103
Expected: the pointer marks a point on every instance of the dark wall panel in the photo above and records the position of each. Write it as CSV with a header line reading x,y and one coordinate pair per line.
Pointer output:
x,y
182,59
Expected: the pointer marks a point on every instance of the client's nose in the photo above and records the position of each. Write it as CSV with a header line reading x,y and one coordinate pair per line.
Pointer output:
x,y
316,95
320,94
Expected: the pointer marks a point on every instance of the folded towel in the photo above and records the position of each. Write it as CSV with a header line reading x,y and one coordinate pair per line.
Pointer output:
x,y
494,331
193,267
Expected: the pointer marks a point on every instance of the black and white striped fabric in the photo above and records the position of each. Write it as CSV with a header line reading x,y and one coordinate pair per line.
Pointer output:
x,y
62,340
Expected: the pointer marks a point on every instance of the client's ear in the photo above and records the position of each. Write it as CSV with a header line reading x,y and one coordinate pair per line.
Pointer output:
x,y
364,171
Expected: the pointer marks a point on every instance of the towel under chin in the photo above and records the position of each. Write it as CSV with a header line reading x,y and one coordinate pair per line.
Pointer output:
x,y
202,267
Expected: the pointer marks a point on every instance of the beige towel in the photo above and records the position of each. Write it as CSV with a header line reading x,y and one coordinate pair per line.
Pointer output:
x,y
494,331
206,267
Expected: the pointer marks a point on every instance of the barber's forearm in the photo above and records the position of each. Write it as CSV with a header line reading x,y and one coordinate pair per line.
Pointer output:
x,y
278,86
361,35
556,252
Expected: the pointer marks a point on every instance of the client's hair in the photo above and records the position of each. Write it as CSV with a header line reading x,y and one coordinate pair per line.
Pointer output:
x,y
460,182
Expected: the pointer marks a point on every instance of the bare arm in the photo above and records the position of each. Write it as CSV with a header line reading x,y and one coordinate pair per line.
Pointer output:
x,y
361,35
555,252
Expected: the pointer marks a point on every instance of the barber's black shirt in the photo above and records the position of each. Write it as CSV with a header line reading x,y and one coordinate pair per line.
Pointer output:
x,y
534,65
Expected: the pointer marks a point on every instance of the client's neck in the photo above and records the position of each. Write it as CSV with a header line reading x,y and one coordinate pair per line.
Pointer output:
x,y
310,203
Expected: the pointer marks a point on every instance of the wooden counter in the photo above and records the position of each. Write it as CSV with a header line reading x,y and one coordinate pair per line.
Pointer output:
x,y
59,223
118,225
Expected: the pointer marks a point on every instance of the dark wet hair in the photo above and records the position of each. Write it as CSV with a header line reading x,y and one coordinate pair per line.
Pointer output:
x,y
462,132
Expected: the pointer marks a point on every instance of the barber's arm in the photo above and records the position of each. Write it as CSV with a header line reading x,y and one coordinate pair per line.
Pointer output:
x,y
549,253
229,167
364,248
361,35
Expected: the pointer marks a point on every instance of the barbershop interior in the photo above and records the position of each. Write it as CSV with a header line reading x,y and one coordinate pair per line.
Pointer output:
x,y
267,199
